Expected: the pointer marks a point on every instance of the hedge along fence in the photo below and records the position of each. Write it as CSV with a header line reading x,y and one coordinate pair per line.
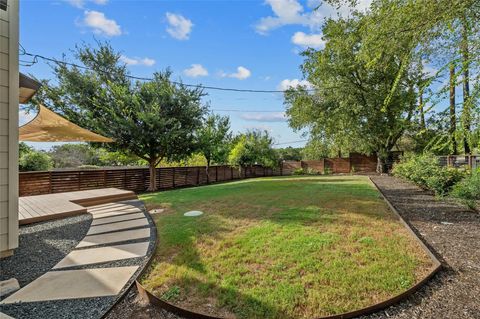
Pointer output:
x,y
134,179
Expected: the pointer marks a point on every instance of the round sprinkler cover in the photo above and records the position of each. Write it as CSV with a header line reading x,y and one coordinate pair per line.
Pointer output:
x,y
193,213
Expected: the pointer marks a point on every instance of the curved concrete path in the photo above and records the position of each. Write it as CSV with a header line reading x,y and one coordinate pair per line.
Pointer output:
x,y
103,263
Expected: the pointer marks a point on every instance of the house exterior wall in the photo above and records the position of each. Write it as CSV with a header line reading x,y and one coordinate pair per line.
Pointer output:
x,y
9,128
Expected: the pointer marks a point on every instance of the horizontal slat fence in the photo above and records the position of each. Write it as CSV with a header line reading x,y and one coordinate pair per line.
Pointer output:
x,y
470,161
135,179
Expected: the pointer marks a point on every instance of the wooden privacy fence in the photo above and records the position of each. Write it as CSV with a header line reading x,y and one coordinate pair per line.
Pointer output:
x,y
355,163
472,161
135,179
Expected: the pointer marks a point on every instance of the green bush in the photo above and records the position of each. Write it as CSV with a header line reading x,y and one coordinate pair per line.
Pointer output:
x,y
468,190
425,171
35,161
298,171
443,179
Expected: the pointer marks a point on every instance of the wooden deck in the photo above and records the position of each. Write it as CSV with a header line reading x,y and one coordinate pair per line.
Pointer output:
x,y
33,209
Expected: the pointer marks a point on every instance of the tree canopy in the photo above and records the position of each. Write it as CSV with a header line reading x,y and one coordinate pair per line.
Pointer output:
x,y
253,148
155,120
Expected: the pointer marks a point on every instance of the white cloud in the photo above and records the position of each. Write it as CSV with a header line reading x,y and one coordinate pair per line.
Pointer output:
x,y
137,61
293,83
308,40
179,26
291,12
101,24
81,3
195,70
264,117
287,12
241,74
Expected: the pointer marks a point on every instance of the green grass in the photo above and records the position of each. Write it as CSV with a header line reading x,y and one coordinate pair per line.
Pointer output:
x,y
281,248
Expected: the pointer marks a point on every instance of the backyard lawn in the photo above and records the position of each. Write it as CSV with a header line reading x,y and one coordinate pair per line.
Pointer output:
x,y
286,247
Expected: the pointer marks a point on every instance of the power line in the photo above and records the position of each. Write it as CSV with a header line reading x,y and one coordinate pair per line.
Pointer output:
x,y
247,111
208,87
291,142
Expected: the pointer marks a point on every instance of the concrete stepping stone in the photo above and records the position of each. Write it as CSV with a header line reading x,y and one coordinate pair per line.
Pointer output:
x,y
117,226
8,286
72,284
116,213
103,254
119,218
5,316
96,209
114,237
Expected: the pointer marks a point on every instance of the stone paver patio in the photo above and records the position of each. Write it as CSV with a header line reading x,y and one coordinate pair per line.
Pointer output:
x,y
102,264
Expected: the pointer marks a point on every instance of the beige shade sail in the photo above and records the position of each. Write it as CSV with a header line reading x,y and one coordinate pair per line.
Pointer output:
x,y
48,126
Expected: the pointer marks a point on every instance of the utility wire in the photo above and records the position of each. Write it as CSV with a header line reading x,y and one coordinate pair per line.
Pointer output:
x,y
291,142
208,87
247,111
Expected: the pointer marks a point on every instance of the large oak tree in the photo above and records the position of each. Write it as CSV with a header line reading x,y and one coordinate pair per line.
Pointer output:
x,y
155,120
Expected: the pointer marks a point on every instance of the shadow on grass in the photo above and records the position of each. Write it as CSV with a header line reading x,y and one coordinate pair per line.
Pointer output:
x,y
229,300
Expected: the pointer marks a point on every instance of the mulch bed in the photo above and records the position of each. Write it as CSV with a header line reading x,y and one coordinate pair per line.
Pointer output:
x,y
452,233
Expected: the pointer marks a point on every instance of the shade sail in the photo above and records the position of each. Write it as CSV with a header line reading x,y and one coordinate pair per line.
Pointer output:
x,y
26,88
48,126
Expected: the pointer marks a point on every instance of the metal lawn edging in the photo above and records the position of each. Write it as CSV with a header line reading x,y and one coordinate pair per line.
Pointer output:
x,y
157,302
153,228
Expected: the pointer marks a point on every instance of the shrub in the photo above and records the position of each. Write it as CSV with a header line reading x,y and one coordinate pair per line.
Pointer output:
x,y
468,190
298,171
425,171
35,161
443,179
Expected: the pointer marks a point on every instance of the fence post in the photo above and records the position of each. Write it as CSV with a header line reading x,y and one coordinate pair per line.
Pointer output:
x,y
124,179
78,183
216,173
173,178
50,186
104,178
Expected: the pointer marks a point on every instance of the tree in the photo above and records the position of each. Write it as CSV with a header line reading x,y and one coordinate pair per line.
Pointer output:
x,y
367,104
35,161
253,148
74,155
153,120
317,149
213,140
289,154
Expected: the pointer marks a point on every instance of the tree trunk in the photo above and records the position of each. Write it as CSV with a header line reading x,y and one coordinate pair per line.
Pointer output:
x,y
466,87
152,185
422,115
382,156
453,117
207,169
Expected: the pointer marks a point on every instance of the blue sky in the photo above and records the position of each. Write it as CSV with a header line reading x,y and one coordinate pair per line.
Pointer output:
x,y
251,44
239,44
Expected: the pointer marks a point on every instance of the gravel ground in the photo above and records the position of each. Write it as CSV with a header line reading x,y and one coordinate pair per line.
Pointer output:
x,y
84,308
42,246
450,231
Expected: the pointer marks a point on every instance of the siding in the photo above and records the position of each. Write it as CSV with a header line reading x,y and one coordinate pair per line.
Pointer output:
x,y
4,87
9,127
